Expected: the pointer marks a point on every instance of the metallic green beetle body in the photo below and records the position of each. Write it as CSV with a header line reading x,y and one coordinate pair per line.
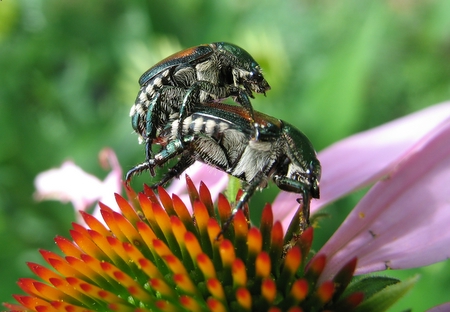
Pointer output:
x,y
221,136
191,77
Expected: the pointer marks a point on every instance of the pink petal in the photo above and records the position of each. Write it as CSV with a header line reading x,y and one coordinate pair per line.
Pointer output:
x,y
445,307
215,180
366,157
68,183
402,222
71,183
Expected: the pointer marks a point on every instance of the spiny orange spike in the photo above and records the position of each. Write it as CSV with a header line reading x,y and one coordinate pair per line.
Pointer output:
x,y
147,207
161,286
94,291
185,284
295,309
117,246
130,232
305,241
215,305
244,298
64,268
344,277
163,221
150,194
315,267
174,264
266,226
104,207
276,248
277,235
67,289
79,228
268,290
95,265
50,255
205,198
178,229
299,290
292,260
325,291
161,248
206,266
215,288
67,247
146,233
49,293
128,211
131,194
254,241
166,201
83,270
182,212
30,302
227,254
41,271
108,217
133,287
144,264
164,305
351,301
121,307
192,245
213,229
16,307
27,285
87,245
192,190
223,208
49,308
94,224
67,307
263,265
240,225
190,303
239,273
102,243
201,217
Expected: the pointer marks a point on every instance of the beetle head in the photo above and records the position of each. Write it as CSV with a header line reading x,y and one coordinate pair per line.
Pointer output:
x,y
244,68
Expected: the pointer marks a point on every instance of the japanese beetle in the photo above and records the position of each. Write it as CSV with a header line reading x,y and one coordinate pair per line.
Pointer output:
x,y
220,135
196,75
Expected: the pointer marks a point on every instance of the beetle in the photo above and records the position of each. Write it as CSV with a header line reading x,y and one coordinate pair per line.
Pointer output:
x,y
198,74
220,135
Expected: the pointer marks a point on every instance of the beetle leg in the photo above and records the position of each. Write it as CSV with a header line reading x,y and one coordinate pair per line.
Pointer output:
x,y
150,130
147,165
290,185
171,150
245,103
185,162
251,188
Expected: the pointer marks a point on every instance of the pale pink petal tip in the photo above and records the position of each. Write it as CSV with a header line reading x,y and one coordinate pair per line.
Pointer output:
x,y
70,183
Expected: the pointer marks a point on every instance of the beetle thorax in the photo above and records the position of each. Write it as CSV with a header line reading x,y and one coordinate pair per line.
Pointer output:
x,y
208,70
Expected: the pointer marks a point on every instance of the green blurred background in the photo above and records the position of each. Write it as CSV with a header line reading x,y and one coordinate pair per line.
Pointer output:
x,y
69,71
